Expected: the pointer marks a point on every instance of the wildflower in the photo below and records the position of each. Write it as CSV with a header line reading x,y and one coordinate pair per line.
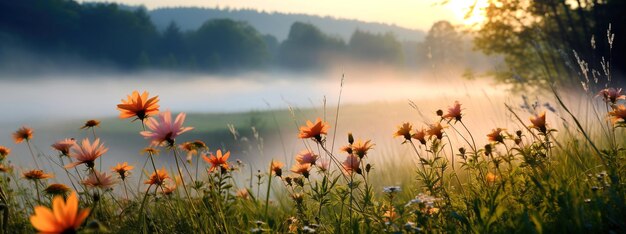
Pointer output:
x,y
404,130
57,189
350,138
162,129
347,149
392,189
298,197
435,130
123,169
496,136
390,214
302,169
351,164
99,180
420,136
157,177
454,112
360,148
314,130
90,124
87,153
277,168
307,229
36,175
63,218
168,189
64,146
323,164
217,160
24,133
243,194
150,151
539,122
4,168
611,95
4,152
192,148
490,177
618,114
139,106
306,156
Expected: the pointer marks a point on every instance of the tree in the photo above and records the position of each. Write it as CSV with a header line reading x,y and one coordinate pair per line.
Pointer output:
x,y
306,47
378,48
443,45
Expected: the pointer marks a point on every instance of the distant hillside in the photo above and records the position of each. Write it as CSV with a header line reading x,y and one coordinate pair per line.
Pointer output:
x,y
276,24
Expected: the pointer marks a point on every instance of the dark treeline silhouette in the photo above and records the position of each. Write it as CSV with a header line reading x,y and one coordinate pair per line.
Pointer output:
x,y
541,40
127,38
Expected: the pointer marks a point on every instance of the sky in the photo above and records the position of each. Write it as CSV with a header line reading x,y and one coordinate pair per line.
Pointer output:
x,y
414,14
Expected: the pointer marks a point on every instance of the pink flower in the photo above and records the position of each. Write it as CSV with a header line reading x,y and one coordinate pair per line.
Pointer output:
x,y
101,180
306,156
64,145
351,164
162,129
87,152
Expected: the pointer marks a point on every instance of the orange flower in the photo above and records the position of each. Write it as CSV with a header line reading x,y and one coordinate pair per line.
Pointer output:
x,y
277,168
302,169
4,152
122,169
192,148
64,145
496,136
57,189
454,112
314,130
390,214
157,177
420,136
435,130
64,218
24,133
91,123
306,156
611,95
243,194
162,129
404,130
138,105
87,152
4,168
351,164
217,160
100,180
360,148
618,114
490,177
150,151
168,189
36,175
539,122
347,149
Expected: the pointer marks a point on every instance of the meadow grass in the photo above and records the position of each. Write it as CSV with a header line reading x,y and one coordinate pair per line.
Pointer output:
x,y
558,174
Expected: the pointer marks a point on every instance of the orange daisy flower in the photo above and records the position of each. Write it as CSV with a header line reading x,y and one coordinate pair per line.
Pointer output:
x,y
404,130
57,189
36,175
4,152
496,135
87,153
4,168
420,136
490,177
162,129
63,218
140,106
277,168
306,156
64,145
168,189
302,169
217,160
314,130
454,112
435,130
101,180
123,169
539,122
90,124
360,148
24,133
150,150
157,177
243,194
618,114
